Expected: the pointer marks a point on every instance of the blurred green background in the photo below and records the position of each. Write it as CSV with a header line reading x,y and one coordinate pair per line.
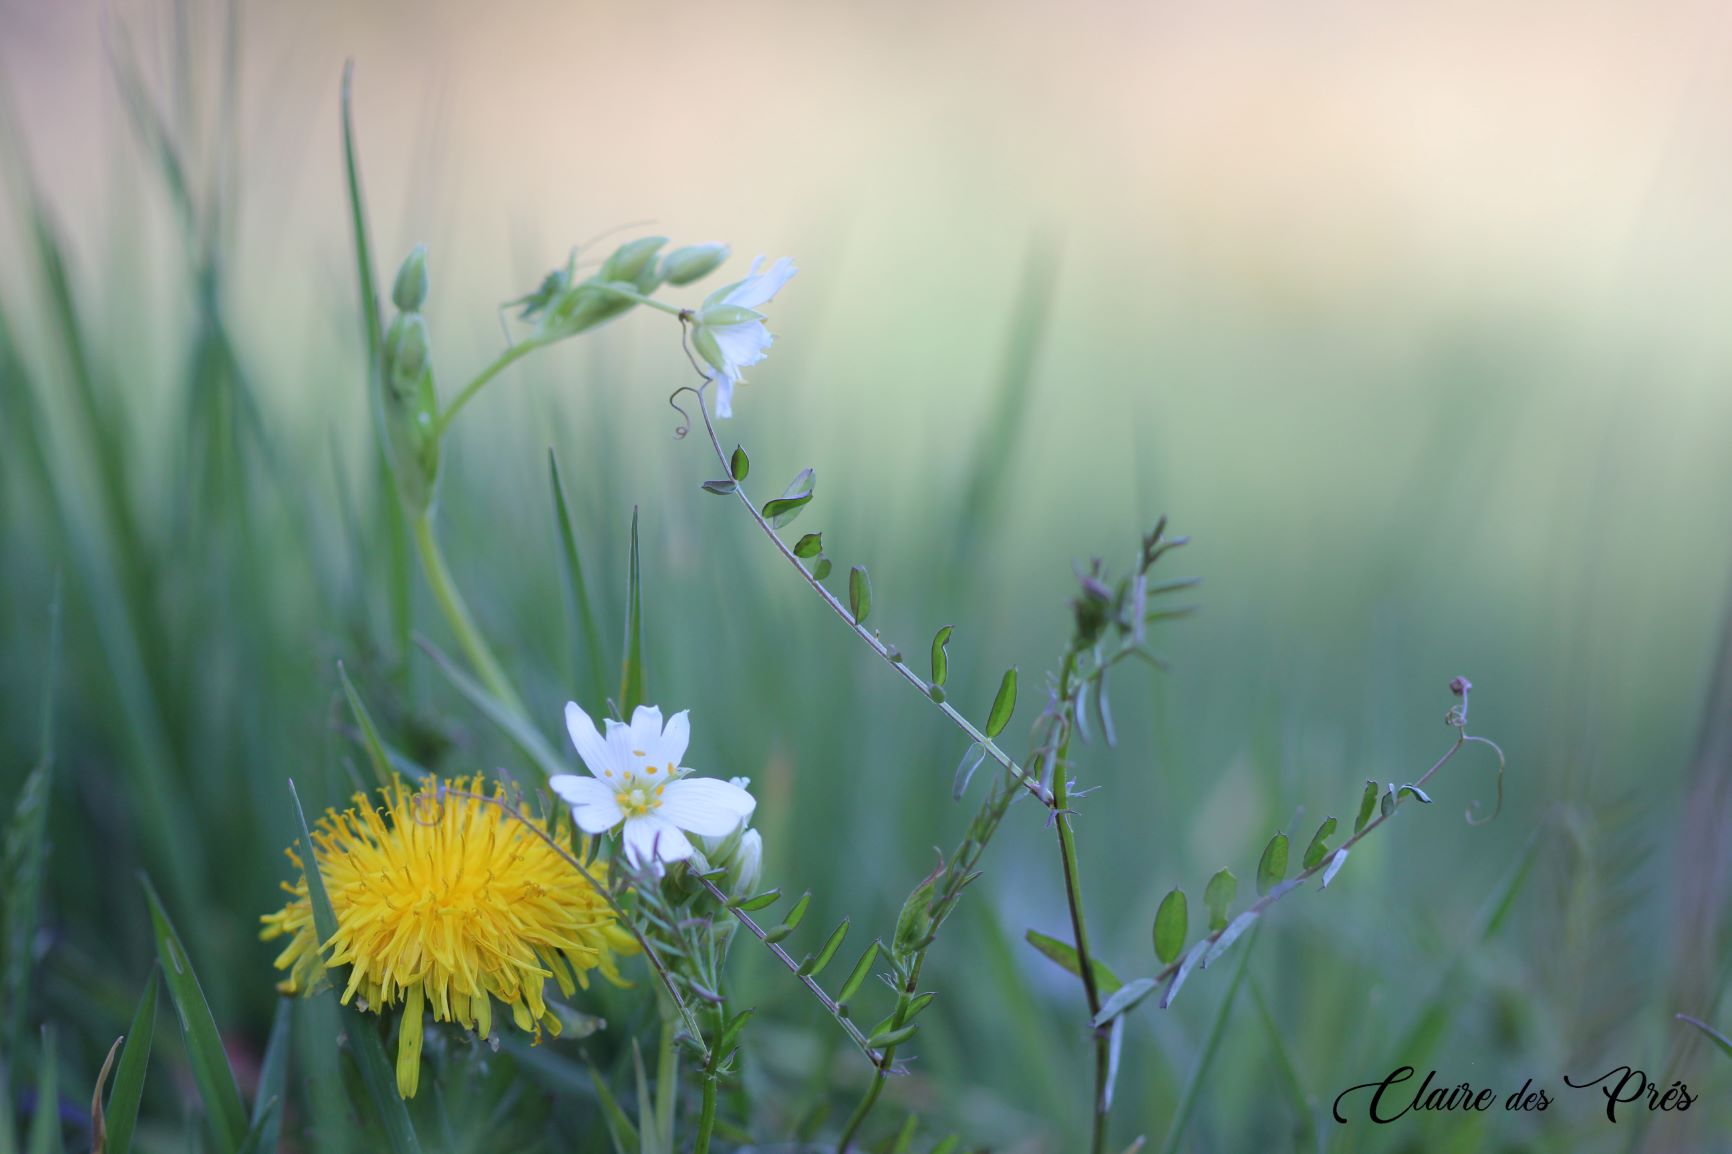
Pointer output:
x,y
1413,319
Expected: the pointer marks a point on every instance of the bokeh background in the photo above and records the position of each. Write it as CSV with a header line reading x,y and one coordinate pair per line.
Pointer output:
x,y
1413,317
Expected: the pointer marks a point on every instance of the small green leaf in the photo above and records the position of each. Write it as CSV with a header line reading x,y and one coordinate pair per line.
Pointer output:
x,y
1172,923
739,464
936,692
796,497
758,901
1272,868
204,1047
1124,1000
887,1038
1424,797
917,1005
859,593
914,922
940,657
123,1099
1222,888
821,569
857,976
1003,705
1318,849
809,546
799,911
1064,954
1367,806
730,1037
720,488
822,959
1387,803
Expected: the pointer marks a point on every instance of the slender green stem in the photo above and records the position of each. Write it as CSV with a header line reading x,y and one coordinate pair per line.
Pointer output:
x,y
904,999
500,363
1068,691
451,604
707,1114
830,1004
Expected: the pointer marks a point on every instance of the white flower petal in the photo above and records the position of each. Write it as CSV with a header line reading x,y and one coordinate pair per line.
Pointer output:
x,y
676,736
593,807
706,806
620,745
759,289
724,396
652,838
743,344
646,731
590,745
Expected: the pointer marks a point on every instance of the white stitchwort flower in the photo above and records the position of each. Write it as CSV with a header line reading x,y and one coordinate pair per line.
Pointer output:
x,y
638,781
728,331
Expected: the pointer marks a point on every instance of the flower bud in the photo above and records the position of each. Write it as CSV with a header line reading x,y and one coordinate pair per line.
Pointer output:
x,y
410,407
728,315
693,262
747,868
634,263
409,293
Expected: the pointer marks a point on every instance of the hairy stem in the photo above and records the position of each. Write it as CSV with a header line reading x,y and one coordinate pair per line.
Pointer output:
x,y
830,1004
1029,783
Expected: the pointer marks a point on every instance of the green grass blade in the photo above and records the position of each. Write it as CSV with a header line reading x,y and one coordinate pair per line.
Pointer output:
x,y
631,682
377,1071
994,452
128,1091
377,756
45,1135
8,1124
522,734
26,855
204,1044
267,1117
620,1130
1720,1040
393,522
1200,1073
577,589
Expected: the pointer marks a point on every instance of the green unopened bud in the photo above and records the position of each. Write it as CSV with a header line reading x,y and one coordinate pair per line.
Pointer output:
x,y
410,407
634,263
747,868
717,315
693,262
407,352
409,293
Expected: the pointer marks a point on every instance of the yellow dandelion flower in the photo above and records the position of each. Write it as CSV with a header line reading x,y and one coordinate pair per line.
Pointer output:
x,y
446,902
